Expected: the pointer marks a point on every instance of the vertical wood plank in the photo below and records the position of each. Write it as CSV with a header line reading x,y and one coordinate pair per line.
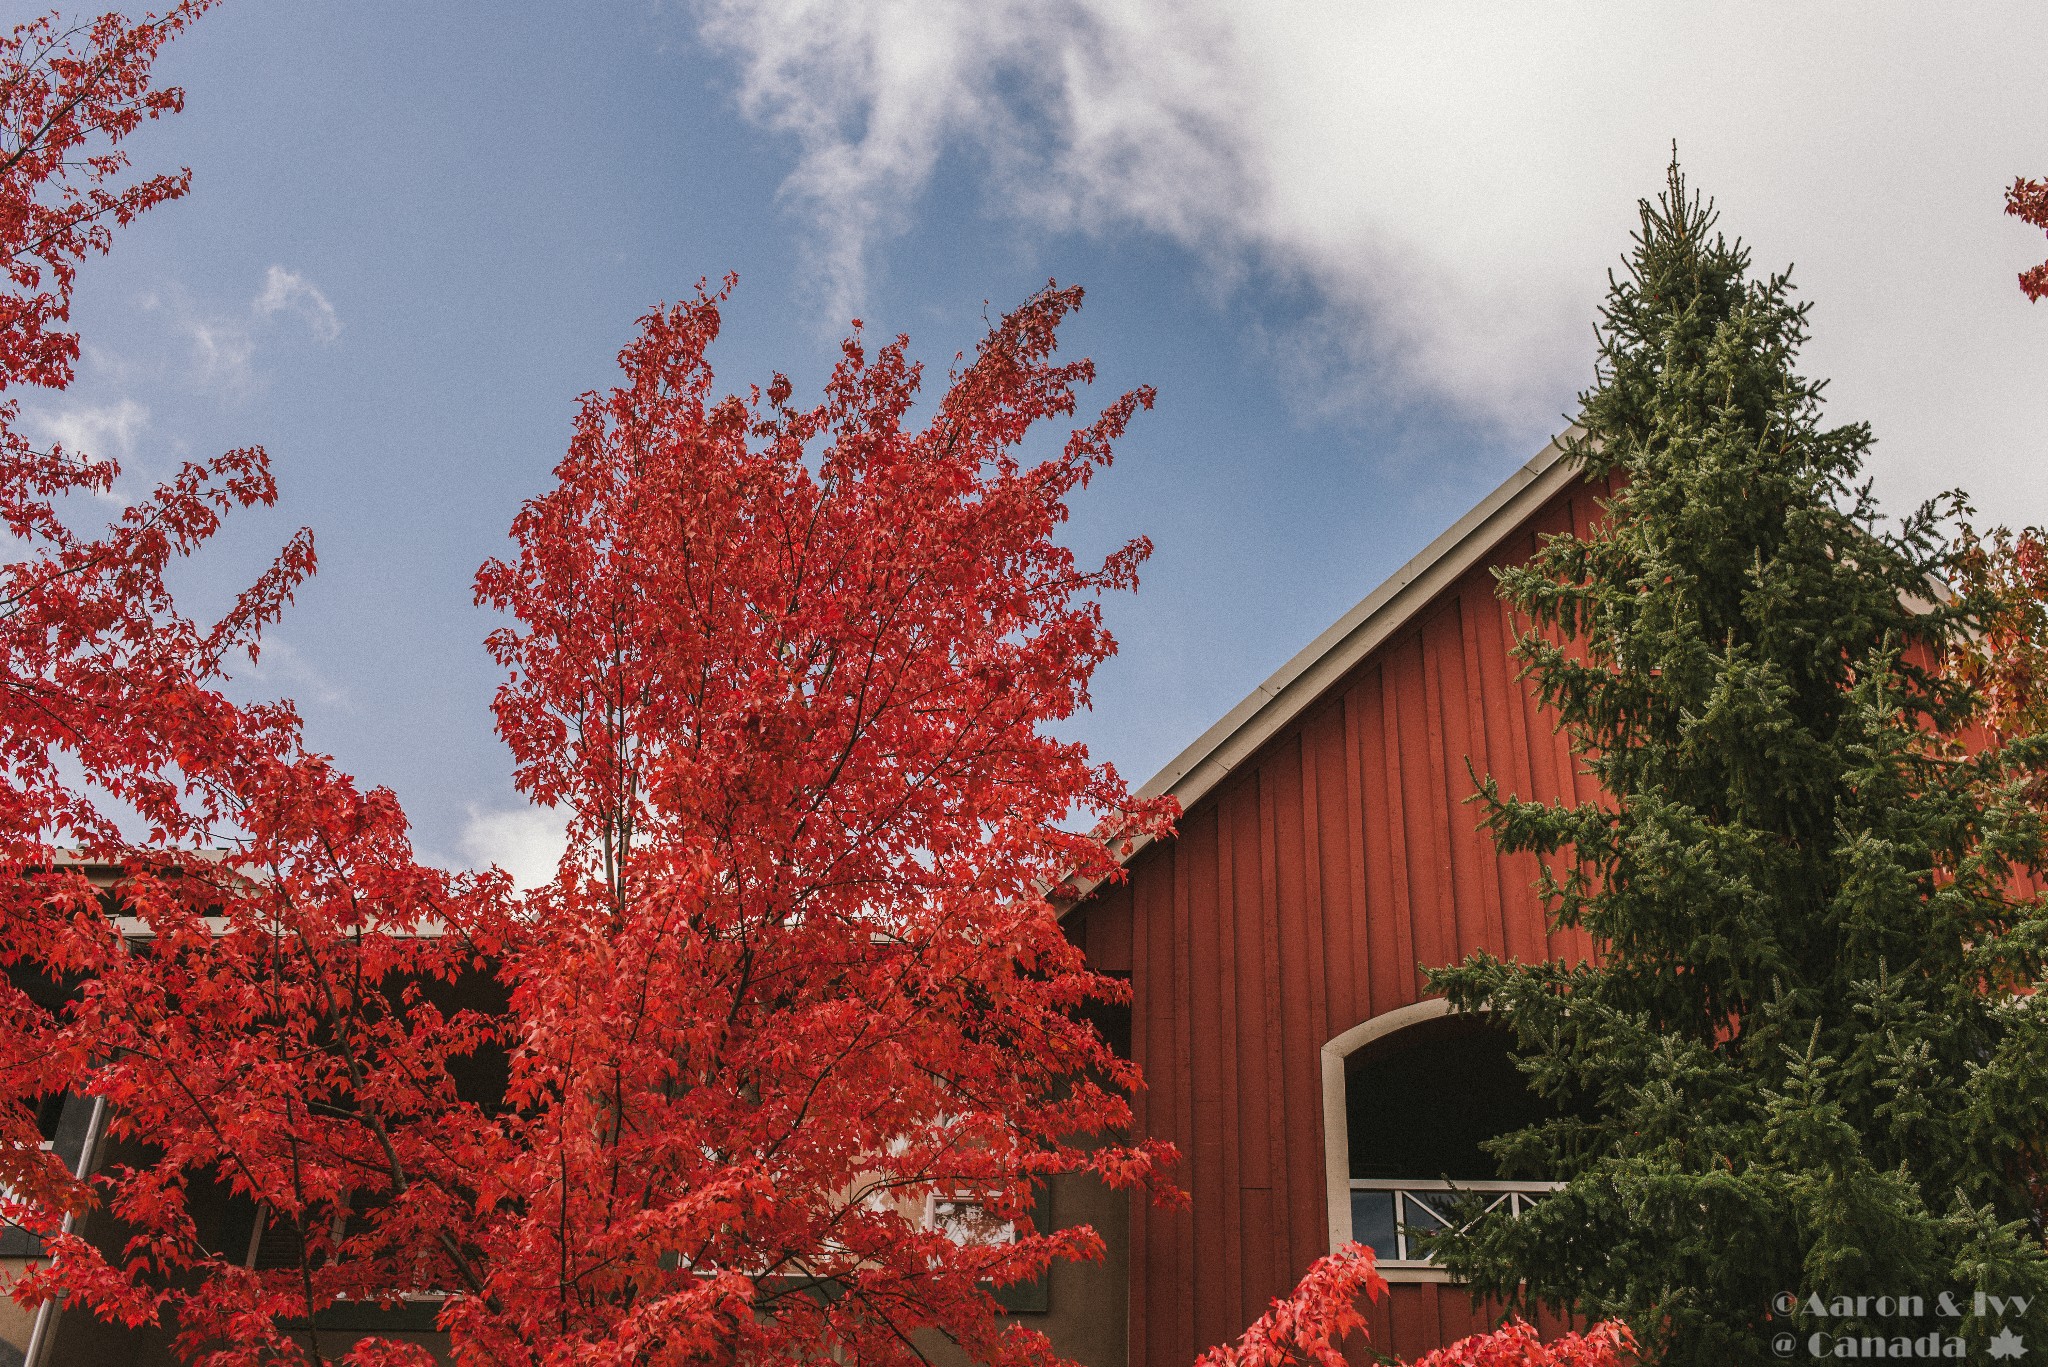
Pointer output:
x,y
1193,870
1347,972
1243,1065
1415,1329
1151,1000
1422,762
1469,875
1214,1057
1326,869
1524,918
1386,906
1486,740
1285,934
1412,852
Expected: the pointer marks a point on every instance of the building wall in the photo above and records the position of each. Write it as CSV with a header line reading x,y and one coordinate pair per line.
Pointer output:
x,y
1298,900
1088,1304
16,1321
1085,1312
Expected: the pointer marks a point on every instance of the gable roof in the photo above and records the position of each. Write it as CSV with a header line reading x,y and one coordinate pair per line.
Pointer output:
x,y
1296,685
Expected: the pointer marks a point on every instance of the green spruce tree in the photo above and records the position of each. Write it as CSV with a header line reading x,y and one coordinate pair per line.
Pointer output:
x,y
1810,1058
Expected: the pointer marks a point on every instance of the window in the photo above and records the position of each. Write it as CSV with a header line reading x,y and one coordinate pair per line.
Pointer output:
x,y
1387,1214
1420,1103
65,1121
967,1222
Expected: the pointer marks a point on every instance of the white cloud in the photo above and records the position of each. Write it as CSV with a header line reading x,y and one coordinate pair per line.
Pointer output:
x,y
1452,181
287,290
224,346
84,429
874,94
283,670
526,842
223,354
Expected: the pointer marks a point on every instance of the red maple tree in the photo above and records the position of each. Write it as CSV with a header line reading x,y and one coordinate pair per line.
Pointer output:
x,y
792,672
798,989
794,1034
100,666
1312,1324
228,1006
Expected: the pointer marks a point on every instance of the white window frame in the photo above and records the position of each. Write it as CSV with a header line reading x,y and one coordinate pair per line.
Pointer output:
x,y
1337,1178
1432,1199
994,1233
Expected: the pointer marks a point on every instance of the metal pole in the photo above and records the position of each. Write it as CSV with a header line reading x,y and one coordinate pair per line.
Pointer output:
x,y
45,1331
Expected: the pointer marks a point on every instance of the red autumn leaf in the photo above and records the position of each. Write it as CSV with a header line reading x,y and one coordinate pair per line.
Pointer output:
x,y
1515,1344
1309,1328
1312,1322
2027,201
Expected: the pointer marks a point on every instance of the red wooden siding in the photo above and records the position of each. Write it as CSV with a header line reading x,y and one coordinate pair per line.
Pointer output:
x,y
1297,901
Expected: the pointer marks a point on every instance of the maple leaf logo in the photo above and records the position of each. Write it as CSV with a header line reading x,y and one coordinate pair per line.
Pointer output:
x,y
2006,1344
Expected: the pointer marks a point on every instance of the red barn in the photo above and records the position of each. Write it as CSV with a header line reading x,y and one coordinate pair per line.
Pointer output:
x,y
1328,853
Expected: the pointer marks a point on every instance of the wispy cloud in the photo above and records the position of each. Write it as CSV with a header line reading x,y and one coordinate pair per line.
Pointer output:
x,y
288,291
223,347
94,430
1062,98
1449,182
223,354
284,671
526,842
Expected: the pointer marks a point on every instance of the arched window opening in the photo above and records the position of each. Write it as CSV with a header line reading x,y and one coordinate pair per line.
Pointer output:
x,y
1420,1103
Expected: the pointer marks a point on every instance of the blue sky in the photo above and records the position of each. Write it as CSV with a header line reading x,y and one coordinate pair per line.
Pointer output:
x,y
1356,248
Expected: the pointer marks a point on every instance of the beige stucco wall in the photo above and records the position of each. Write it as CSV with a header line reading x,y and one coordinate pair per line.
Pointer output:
x,y
15,1321
1088,1305
1088,1319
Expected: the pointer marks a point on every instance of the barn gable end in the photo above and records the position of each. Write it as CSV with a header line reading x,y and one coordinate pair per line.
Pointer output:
x,y
1327,849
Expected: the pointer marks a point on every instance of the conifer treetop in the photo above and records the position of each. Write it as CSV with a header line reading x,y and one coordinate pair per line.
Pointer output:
x,y
1807,1055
